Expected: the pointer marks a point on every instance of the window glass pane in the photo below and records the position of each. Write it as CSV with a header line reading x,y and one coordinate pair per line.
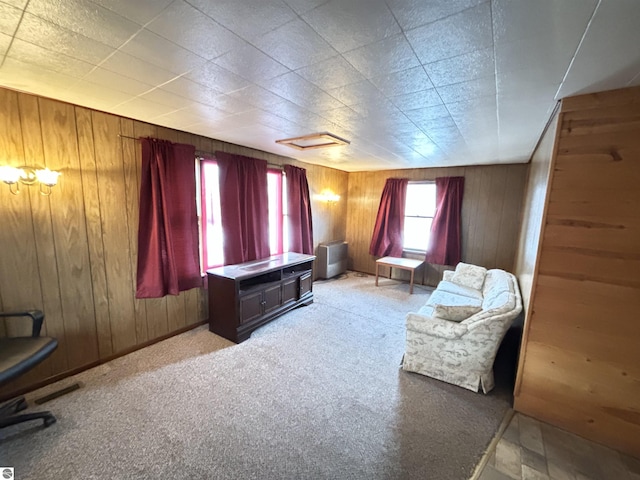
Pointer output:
x,y
421,199
416,233
273,191
213,251
285,217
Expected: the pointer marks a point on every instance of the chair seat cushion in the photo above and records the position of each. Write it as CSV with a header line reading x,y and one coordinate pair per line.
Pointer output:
x,y
20,354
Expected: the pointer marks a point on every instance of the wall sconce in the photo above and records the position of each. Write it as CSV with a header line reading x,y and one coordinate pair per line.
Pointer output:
x,y
328,196
28,176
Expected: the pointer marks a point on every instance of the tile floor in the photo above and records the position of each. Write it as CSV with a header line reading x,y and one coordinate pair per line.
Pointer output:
x,y
532,450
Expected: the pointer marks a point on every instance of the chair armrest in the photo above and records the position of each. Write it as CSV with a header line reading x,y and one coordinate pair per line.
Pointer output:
x,y
36,315
434,326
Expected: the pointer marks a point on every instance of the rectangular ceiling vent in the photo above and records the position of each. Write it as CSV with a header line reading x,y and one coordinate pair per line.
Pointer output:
x,y
314,140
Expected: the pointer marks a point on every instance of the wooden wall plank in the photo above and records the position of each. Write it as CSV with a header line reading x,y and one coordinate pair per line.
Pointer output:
x,y
21,289
132,191
115,232
91,191
60,145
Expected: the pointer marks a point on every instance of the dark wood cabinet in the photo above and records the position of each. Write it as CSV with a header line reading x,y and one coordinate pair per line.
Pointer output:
x,y
244,297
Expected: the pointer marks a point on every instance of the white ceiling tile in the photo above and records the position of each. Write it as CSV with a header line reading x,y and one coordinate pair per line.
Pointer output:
x,y
458,34
392,54
163,97
357,93
417,100
606,60
352,24
5,41
256,96
558,24
161,52
406,81
227,104
103,78
204,37
191,90
296,89
538,59
344,116
414,13
303,6
295,45
251,64
132,67
331,73
57,62
249,18
140,109
428,117
34,78
9,18
55,38
139,11
480,87
190,115
86,18
16,3
218,78
462,68
84,92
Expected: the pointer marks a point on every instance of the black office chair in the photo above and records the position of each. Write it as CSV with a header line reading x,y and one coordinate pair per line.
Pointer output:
x,y
18,355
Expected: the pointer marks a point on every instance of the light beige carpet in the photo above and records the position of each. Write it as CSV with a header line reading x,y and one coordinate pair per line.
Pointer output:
x,y
316,394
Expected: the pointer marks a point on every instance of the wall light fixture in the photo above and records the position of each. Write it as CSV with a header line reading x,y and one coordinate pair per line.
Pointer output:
x,y
28,175
328,196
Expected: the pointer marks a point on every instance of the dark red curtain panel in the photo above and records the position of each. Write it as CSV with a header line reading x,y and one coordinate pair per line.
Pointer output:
x,y
299,210
168,260
389,228
445,246
244,207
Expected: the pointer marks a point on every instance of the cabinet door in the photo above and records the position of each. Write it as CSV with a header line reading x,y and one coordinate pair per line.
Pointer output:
x,y
290,290
305,283
250,306
272,298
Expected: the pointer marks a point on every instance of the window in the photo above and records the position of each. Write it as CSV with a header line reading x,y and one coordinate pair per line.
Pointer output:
x,y
419,211
278,234
211,224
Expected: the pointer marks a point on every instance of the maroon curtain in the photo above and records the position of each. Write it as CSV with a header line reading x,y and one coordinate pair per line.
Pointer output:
x,y
299,210
168,260
445,245
388,232
244,207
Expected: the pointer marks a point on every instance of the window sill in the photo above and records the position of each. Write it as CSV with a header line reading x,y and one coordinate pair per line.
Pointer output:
x,y
413,252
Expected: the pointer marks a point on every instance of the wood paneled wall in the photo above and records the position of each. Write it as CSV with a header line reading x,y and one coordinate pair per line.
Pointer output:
x,y
491,211
581,365
73,254
533,213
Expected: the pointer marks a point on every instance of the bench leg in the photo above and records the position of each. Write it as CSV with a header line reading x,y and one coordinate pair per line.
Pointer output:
x,y
411,283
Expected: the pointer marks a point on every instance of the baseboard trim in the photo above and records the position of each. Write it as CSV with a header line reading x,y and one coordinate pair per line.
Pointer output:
x,y
506,420
61,376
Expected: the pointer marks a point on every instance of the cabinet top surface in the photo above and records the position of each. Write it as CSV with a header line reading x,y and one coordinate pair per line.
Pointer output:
x,y
250,269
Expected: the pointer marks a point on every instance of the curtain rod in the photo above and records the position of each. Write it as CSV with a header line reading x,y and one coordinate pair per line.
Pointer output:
x,y
201,154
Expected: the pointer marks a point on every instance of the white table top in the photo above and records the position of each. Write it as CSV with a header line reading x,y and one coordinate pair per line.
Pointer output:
x,y
400,262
